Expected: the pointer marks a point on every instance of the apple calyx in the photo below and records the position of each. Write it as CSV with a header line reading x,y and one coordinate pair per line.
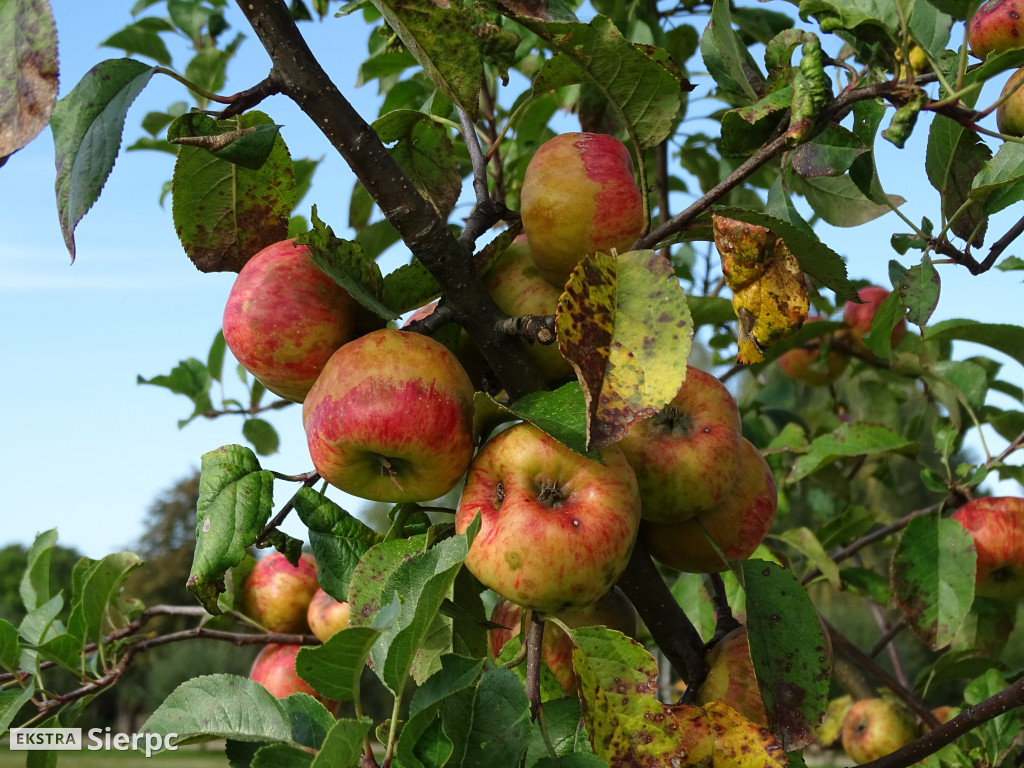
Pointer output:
x,y
551,493
673,421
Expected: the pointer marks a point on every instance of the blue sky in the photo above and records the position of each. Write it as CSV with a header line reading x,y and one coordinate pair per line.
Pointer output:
x,y
84,447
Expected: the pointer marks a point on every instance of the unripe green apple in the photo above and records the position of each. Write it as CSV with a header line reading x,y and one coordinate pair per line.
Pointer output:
x,y
1010,114
274,669
877,727
579,197
737,524
731,677
557,528
276,594
326,616
686,456
996,26
804,364
391,418
285,317
518,288
997,525
612,610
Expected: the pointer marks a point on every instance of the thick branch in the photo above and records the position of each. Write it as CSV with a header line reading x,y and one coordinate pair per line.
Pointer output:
x,y
300,77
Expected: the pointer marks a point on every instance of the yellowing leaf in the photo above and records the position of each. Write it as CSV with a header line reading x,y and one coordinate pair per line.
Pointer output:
x,y
741,743
624,325
769,292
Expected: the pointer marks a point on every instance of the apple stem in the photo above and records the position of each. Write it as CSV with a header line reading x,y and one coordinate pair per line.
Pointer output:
x,y
534,639
387,469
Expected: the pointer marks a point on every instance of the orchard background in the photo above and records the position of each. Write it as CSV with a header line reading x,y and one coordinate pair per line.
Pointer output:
x,y
868,467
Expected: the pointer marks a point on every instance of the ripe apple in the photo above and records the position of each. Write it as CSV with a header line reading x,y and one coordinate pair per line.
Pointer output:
x,y
612,610
391,418
518,288
274,668
285,317
1010,114
738,524
557,528
804,364
326,616
579,197
731,677
996,26
276,594
997,525
859,317
876,727
686,456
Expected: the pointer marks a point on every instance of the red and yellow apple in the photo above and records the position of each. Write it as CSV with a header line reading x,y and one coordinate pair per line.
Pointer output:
x,y
731,677
274,668
518,288
737,524
285,317
996,26
859,316
326,616
557,528
579,197
1010,113
391,418
612,610
276,594
876,727
686,456
996,524
804,363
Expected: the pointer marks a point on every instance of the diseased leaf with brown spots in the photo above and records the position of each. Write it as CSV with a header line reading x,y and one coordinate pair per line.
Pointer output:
x,y
626,723
624,325
769,292
741,743
225,213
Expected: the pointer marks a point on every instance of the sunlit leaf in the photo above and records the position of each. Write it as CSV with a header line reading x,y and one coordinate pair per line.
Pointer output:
x,y
849,439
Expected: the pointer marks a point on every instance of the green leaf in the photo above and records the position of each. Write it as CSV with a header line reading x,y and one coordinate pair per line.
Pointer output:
x,y
10,648
262,435
220,707
566,734
224,213
424,151
38,622
344,744
87,126
143,37
410,286
35,581
919,291
562,414
1008,339
933,577
489,724
830,153
279,756
639,83
11,702
839,202
804,541
1000,183
28,72
444,43
215,357
816,259
954,157
624,325
789,651
337,538
366,590
334,668
849,439
235,501
728,58
249,147
189,378
309,718
97,592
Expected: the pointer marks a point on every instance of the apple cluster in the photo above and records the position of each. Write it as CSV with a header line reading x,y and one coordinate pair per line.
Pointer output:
x,y
286,598
997,26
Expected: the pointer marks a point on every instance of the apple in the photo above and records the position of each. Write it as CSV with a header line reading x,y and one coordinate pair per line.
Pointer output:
x,y
557,528
804,363
274,668
731,677
276,594
285,317
859,316
1010,113
518,288
391,418
996,27
326,616
737,525
997,525
876,727
685,456
579,197
613,610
